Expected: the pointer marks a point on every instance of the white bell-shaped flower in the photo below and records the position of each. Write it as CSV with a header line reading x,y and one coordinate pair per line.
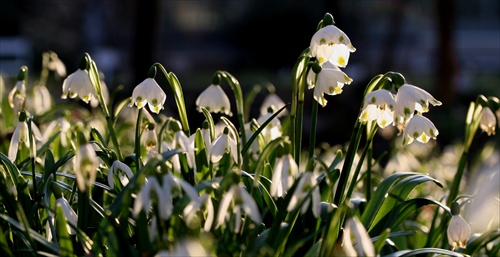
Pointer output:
x,y
274,102
419,128
78,84
330,80
284,173
150,93
378,106
224,144
85,166
488,121
122,171
236,199
20,135
458,229
331,43
201,205
17,96
409,99
301,197
214,100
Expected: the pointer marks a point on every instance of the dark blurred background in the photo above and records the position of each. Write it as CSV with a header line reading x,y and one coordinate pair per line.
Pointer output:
x,y
450,48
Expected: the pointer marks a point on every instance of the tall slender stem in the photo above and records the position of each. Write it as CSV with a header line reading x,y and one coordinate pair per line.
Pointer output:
x,y
137,149
312,136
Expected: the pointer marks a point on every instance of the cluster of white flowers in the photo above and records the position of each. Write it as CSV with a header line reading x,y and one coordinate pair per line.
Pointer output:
x,y
399,110
331,47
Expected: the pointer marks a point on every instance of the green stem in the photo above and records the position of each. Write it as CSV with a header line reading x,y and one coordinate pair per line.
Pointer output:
x,y
312,136
458,178
349,158
137,149
295,111
178,95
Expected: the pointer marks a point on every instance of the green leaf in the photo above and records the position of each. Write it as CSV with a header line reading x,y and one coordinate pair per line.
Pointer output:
x,y
4,246
63,236
474,246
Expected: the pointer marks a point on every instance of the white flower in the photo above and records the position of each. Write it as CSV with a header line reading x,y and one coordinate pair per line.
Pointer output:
x,y
171,187
488,121
122,171
78,84
149,137
149,191
284,174
193,208
378,106
69,214
41,100
55,64
363,245
20,135
410,98
273,128
181,141
224,144
85,166
420,128
214,100
149,92
458,232
331,43
301,196
330,81
274,102
17,96
236,199
64,127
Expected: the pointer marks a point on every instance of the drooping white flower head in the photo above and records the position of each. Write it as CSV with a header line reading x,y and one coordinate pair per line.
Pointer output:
x,y
488,121
419,128
69,214
17,96
331,43
362,246
273,128
214,100
122,171
236,199
458,229
20,135
85,166
190,212
274,102
284,173
151,93
224,144
149,191
78,84
41,100
301,196
409,99
149,137
330,80
55,64
378,106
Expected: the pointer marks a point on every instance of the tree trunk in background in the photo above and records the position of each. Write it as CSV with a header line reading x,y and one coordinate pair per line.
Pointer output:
x,y
146,19
447,66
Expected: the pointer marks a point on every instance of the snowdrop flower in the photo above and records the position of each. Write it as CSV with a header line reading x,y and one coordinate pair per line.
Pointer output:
x,y
55,64
41,100
410,98
301,196
194,207
85,166
273,128
122,171
149,137
284,173
378,106
330,80
17,96
69,214
63,125
151,93
331,43
458,230
420,128
362,246
20,135
274,102
488,121
224,144
181,141
214,100
149,191
78,84
236,199
94,102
